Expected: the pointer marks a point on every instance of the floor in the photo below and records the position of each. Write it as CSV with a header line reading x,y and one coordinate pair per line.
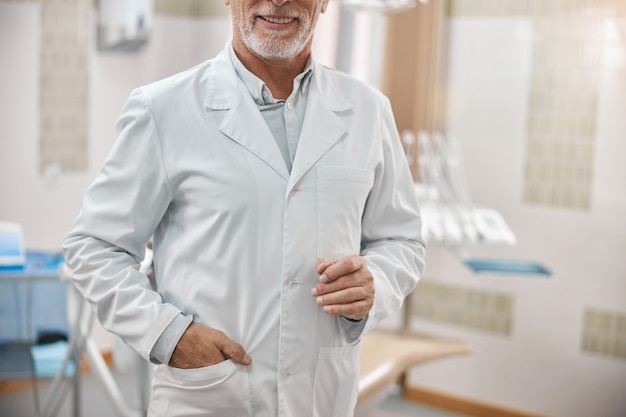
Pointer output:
x,y
95,402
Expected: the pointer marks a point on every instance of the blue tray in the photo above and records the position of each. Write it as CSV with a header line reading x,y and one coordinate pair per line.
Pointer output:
x,y
499,266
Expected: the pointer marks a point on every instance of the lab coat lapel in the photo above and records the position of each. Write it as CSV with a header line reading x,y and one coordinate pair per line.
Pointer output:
x,y
243,121
322,126
245,125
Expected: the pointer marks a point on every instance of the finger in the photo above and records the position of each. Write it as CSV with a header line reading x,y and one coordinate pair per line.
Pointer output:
x,y
233,350
346,281
322,263
354,311
344,296
344,266
362,277
357,278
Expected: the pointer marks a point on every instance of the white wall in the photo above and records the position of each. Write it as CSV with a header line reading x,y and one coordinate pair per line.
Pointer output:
x,y
540,368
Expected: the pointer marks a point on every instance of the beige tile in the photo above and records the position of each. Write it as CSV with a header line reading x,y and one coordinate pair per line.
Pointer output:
x,y
455,305
603,333
64,84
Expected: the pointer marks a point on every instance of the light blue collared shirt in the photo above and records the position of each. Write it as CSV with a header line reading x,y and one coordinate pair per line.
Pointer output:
x,y
283,117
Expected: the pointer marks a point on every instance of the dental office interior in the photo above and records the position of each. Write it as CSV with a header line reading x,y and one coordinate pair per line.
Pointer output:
x,y
512,114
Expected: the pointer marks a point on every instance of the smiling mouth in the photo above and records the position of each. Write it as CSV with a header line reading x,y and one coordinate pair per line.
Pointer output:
x,y
278,20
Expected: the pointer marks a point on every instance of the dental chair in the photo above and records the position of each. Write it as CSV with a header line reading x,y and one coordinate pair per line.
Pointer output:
x,y
449,215
448,212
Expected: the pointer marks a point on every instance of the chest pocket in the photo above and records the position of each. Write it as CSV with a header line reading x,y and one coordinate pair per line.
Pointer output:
x,y
341,196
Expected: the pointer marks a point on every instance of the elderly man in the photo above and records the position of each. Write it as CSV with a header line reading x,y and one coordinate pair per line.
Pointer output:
x,y
283,219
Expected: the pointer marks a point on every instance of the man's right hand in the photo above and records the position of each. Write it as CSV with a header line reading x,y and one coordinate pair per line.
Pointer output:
x,y
202,346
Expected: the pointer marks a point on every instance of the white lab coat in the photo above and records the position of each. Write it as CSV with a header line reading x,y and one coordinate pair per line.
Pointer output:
x,y
236,237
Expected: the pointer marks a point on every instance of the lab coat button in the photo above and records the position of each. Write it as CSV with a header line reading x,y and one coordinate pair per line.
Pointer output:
x,y
289,105
293,285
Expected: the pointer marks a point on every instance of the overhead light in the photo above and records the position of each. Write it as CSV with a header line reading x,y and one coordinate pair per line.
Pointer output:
x,y
382,6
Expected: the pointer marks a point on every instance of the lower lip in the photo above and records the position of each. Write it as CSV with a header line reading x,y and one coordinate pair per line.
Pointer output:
x,y
278,26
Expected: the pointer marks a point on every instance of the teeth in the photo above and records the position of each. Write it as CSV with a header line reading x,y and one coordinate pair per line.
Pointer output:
x,y
279,20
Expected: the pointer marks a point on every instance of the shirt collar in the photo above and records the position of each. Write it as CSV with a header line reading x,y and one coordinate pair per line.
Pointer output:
x,y
259,90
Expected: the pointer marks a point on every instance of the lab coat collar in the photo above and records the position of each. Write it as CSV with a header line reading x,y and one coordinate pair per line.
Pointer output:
x,y
222,83
242,122
322,126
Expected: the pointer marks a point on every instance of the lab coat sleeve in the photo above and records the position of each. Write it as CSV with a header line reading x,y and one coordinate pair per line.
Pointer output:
x,y
120,212
391,227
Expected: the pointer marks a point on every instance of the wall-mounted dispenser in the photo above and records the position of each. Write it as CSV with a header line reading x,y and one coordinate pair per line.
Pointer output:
x,y
124,25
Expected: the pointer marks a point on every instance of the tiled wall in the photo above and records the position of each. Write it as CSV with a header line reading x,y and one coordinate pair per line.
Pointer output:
x,y
563,103
478,309
569,40
190,8
522,7
65,41
63,81
604,333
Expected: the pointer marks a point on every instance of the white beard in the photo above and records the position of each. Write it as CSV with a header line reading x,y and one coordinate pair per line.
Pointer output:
x,y
273,46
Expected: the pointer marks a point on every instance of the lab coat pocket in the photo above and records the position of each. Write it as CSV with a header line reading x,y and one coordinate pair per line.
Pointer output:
x,y
217,390
335,388
341,196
